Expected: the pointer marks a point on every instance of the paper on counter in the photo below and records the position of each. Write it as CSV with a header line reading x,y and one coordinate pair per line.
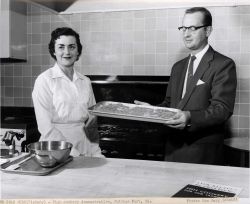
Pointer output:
x,y
218,187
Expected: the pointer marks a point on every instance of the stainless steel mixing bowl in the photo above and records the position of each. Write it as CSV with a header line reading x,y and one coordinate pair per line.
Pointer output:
x,y
49,153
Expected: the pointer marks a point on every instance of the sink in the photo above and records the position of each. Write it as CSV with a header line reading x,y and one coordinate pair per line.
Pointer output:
x,y
6,153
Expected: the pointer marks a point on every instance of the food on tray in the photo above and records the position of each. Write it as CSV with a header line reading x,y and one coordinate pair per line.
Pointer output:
x,y
135,110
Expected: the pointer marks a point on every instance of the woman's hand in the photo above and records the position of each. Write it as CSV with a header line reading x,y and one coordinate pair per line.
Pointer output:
x,y
180,120
141,103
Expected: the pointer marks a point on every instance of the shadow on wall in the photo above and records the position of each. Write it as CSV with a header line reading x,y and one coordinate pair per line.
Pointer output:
x,y
58,5
229,129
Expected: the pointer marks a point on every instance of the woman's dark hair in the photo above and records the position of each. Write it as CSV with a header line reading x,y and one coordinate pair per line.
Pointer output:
x,y
63,31
207,17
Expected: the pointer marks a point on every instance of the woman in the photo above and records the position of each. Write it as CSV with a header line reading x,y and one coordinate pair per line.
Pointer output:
x,y
61,97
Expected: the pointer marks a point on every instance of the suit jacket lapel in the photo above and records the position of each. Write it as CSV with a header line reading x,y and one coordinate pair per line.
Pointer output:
x,y
203,66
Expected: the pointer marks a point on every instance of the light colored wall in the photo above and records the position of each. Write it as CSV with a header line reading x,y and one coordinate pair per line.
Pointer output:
x,y
143,42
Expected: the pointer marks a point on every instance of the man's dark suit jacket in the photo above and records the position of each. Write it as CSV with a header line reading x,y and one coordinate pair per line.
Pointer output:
x,y
210,103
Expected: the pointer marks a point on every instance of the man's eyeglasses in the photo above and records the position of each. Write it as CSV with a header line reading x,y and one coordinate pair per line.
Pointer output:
x,y
191,28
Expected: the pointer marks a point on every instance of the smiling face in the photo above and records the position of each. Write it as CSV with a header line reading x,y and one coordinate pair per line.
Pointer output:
x,y
198,39
66,51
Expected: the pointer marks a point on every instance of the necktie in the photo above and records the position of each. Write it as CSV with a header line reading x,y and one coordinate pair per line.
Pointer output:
x,y
190,71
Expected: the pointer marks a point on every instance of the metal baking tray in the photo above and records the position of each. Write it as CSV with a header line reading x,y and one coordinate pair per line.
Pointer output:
x,y
31,167
132,111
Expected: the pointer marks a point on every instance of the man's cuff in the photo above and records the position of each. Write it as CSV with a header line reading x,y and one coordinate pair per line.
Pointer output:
x,y
188,116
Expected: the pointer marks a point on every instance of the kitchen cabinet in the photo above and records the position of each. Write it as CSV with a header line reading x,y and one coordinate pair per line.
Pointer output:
x,y
237,151
54,6
85,6
13,26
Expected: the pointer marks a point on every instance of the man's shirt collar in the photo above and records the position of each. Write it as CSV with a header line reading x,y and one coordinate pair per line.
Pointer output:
x,y
200,54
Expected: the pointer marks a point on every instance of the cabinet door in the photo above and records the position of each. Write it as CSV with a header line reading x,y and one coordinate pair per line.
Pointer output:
x,y
13,25
5,29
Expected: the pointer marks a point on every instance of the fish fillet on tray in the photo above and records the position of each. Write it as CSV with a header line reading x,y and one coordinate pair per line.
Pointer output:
x,y
132,111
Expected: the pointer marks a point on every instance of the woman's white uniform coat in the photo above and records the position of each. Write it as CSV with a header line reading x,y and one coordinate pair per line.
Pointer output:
x,y
61,108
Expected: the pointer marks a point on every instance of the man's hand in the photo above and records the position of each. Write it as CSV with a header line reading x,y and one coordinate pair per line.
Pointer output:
x,y
141,103
180,120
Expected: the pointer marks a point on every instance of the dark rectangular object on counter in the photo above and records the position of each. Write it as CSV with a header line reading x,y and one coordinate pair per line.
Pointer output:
x,y
192,191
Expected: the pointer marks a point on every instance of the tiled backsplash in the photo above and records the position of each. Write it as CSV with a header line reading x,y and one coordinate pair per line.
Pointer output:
x,y
131,43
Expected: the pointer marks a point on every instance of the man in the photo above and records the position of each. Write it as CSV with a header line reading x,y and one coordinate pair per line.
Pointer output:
x,y
203,88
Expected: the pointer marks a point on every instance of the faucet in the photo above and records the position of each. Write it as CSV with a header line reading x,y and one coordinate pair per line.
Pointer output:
x,y
8,139
12,148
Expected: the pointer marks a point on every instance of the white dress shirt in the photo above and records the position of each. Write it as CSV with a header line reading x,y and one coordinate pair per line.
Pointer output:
x,y
61,108
198,56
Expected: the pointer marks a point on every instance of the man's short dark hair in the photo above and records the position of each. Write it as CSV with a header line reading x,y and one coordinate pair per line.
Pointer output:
x,y
207,20
63,31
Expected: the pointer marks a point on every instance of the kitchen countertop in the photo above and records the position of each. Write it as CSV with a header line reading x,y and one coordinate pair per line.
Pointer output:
x,y
107,177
